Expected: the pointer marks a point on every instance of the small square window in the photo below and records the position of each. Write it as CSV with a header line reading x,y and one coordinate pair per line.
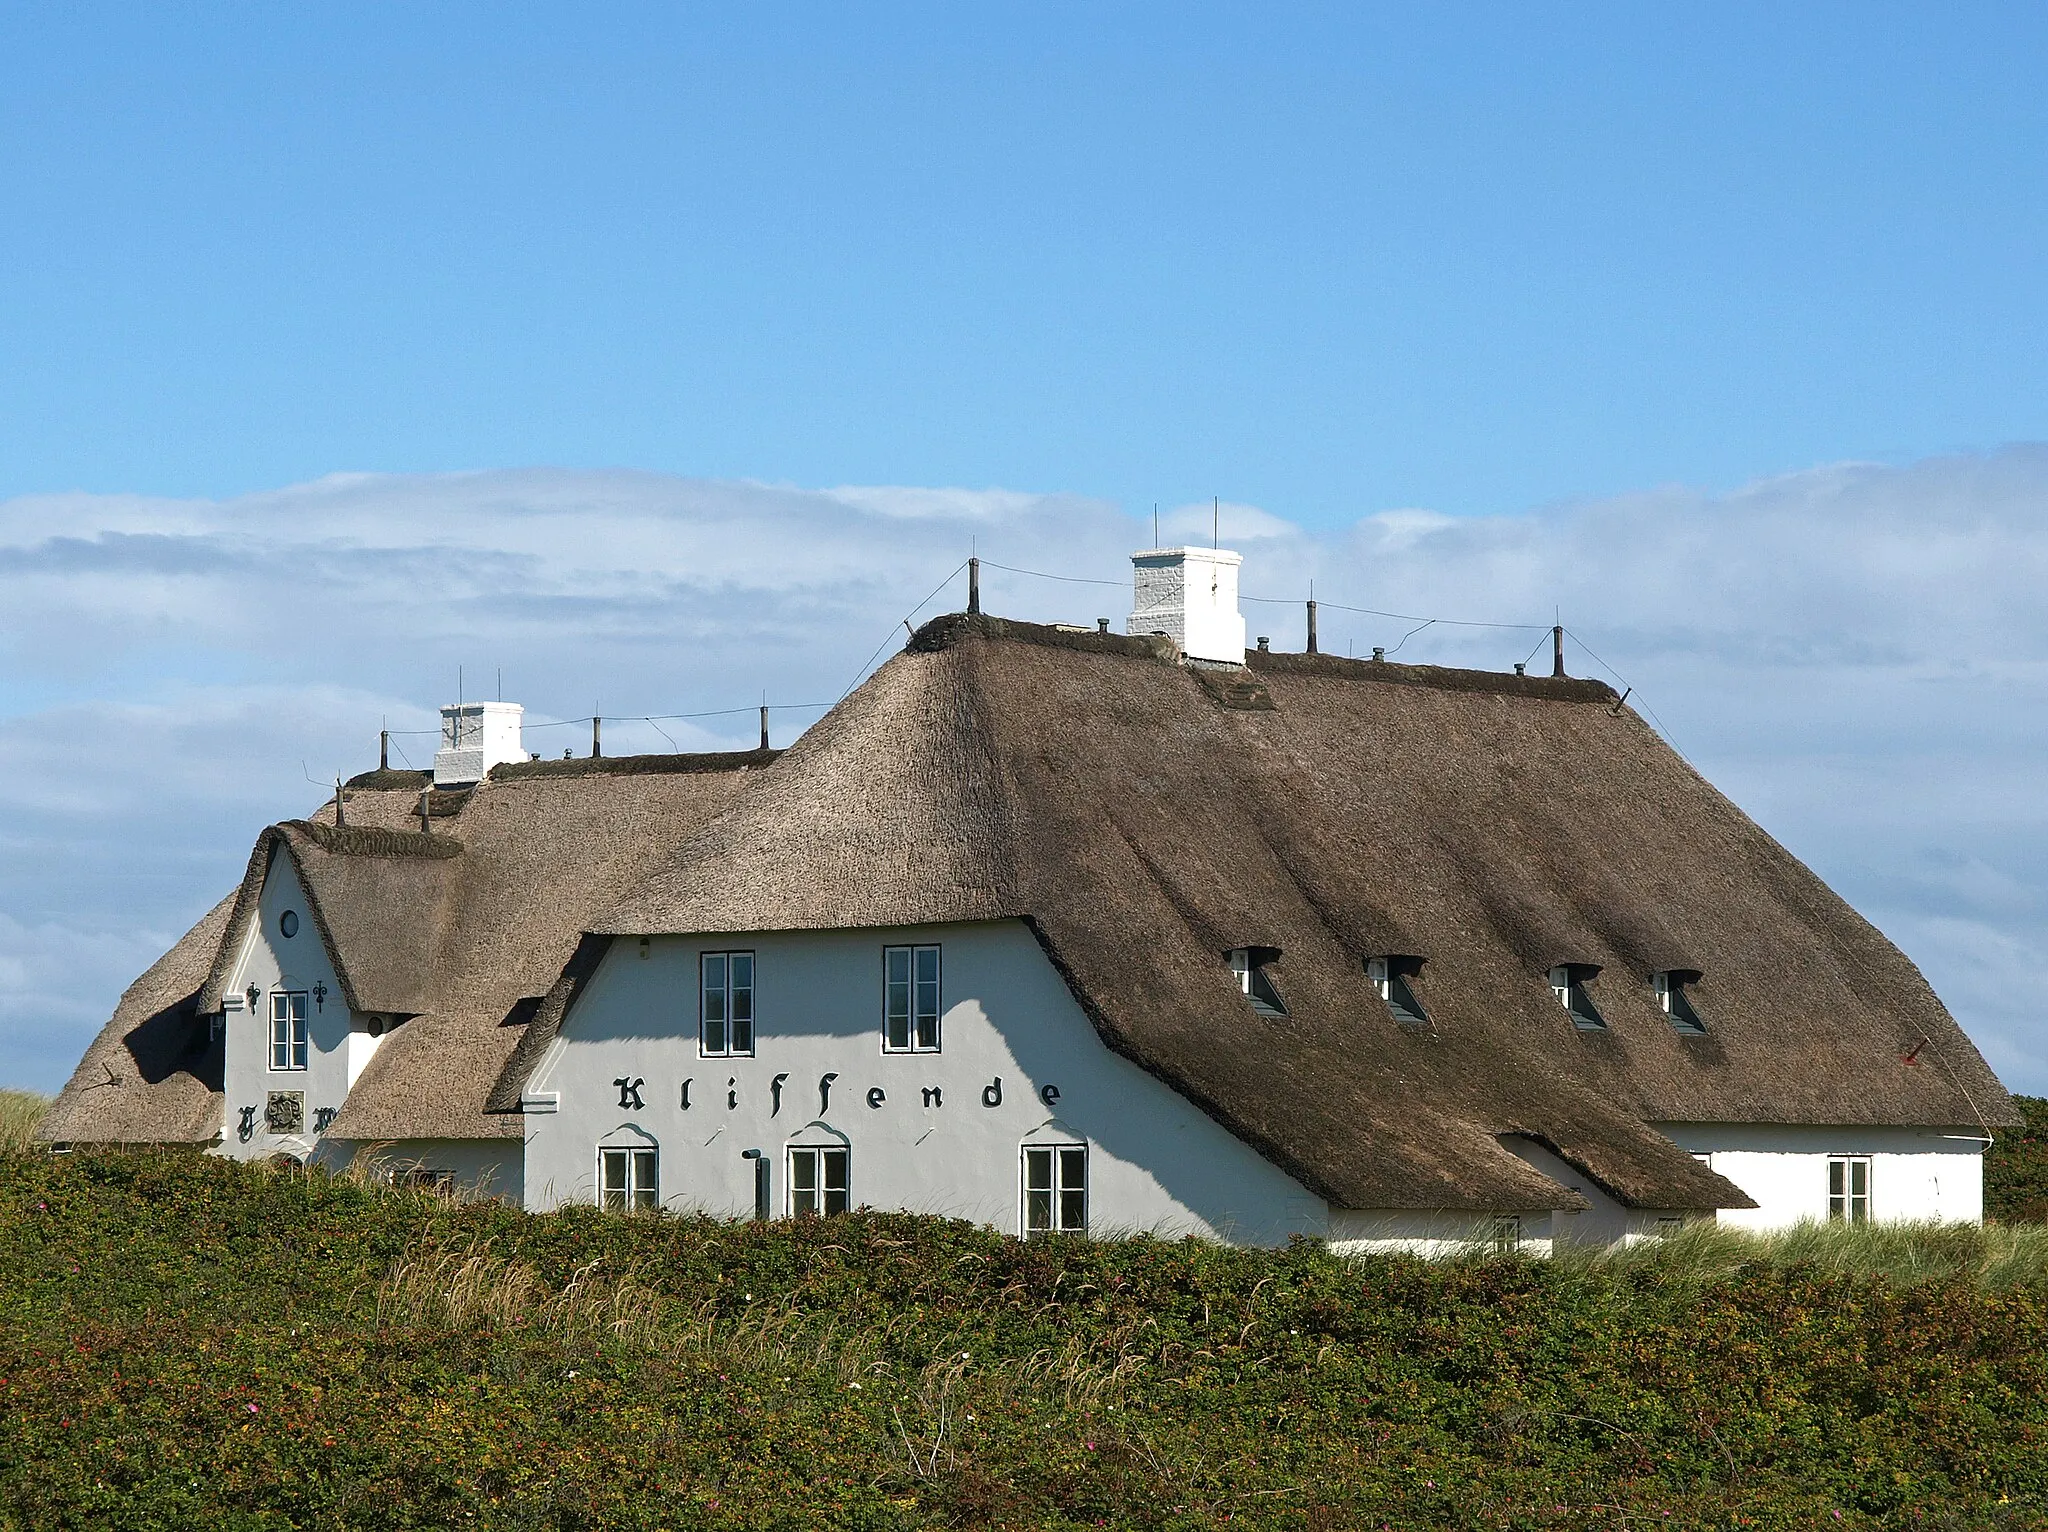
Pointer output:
x,y
288,1029
627,1180
1390,976
1249,965
1670,989
1568,982
1507,1233
911,1000
1849,1188
1669,1226
726,1008
1055,1189
817,1182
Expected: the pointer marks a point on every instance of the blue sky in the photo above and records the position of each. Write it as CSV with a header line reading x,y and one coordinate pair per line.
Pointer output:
x,y
1325,259
664,357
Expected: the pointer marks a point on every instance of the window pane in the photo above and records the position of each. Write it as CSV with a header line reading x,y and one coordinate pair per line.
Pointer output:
x,y
644,1187
714,986
1073,1211
803,1181
298,1007
1859,1178
1038,1170
714,1037
742,1034
896,997
834,1177
299,1044
1037,1212
1073,1169
742,986
614,1163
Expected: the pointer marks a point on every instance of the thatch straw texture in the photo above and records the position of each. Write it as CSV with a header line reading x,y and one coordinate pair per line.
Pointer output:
x,y
462,931
1493,825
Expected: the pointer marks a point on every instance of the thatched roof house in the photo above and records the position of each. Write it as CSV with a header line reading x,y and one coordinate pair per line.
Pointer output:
x,y
1499,843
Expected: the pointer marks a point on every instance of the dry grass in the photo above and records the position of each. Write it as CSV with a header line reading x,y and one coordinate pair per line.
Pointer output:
x,y
20,1111
1993,1257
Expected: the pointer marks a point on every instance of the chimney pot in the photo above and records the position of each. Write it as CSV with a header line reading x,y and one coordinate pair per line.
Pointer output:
x,y
1379,652
1265,643
1102,624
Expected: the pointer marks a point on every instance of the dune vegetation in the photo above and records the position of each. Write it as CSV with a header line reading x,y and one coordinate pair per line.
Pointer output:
x,y
194,1343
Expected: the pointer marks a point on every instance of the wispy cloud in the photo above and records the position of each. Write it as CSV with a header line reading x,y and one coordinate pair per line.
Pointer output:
x,y
1857,654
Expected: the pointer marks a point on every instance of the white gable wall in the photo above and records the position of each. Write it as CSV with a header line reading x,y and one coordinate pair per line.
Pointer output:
x,y
1915,1173
338,1045
1010,1031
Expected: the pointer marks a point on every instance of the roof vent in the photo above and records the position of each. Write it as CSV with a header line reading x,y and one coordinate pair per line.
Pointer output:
x,y
475,736
1190,595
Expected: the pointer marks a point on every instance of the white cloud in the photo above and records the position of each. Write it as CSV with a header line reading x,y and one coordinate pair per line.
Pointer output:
x,y
1857,654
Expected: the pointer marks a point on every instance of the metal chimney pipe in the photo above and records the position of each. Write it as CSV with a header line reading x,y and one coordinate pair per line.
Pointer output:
x,y
425,828
1557,650
764,726
974,586
1311,625
383,749
596,738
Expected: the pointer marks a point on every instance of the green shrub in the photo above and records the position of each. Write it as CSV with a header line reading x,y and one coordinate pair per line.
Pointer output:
x,y
193,1343
2016,1167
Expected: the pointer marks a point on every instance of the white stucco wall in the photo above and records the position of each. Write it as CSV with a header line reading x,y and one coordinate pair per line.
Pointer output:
x,y
485,1167
1155,1161
338,1045
1915,1173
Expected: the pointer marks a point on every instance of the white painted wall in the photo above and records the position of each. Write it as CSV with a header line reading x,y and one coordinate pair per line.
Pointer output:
x,y
483,1167
1155,1161
1915,1173
1189,594
338,1044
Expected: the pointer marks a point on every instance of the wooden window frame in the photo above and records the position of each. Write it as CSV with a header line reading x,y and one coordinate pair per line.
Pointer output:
x,y
911,1027
638,1186
1064,1189
727,989
294,1044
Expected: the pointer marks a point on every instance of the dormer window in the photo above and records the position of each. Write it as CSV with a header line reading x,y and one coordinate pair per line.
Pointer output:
x,y
1568,982
1390,976
1249,964
1670,987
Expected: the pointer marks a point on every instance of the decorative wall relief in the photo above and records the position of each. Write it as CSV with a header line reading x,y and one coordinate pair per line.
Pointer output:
x,y
285,1111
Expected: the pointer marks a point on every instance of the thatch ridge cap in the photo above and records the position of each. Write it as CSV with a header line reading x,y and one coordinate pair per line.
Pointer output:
x,y
1441,677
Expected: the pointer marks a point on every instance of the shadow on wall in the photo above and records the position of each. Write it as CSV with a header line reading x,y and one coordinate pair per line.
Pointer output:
x,y
174,1040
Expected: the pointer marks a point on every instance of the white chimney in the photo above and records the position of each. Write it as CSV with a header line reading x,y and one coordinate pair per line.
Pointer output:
x,y
475,736
1190,595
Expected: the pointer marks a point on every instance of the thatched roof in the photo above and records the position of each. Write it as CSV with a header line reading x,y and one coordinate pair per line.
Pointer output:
x,y
151,1076
1145,817
462,930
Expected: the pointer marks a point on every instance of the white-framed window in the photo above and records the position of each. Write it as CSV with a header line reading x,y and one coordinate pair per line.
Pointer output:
x,y
1390,976
1670,1225
628,1178
726,1005
1507,1233
817,1181
1568,982
1670,987
910,999
1055,1189
1249,965
1849,1187
288,1029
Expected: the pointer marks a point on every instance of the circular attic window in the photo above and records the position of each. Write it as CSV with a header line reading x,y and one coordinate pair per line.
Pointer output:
x,y
288,922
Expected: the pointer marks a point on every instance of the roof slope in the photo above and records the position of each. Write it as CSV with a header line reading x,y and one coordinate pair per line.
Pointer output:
x,y
152,1075
1145,817
462,930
